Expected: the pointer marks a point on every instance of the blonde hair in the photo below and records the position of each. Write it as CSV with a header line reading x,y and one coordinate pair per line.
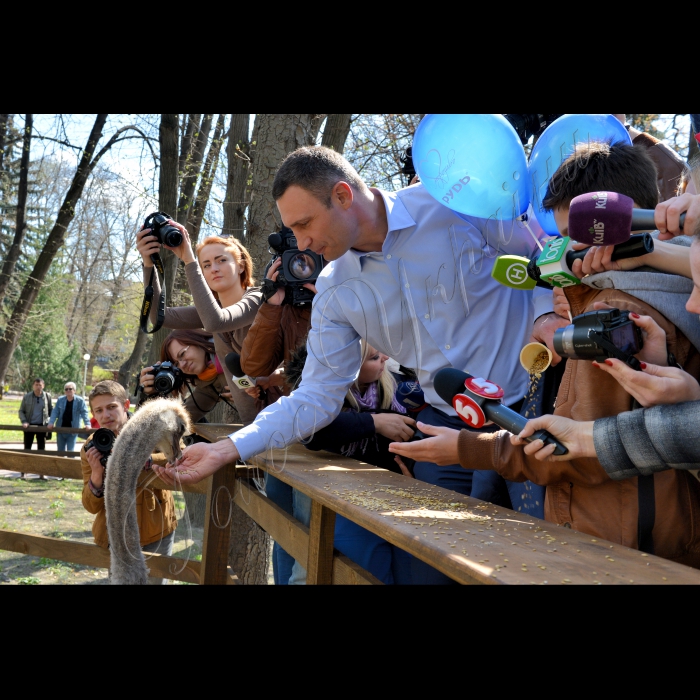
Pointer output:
x,y
238,250
691,172
386,388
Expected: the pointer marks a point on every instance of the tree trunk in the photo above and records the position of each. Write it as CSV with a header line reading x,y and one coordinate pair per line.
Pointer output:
x,y
168,185
336,131
205,183
249,548
8,266
238,152
132,366
278,135
4,120
55,240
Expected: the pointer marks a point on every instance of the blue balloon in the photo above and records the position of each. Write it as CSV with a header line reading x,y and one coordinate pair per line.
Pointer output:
x,y
557,142
473,163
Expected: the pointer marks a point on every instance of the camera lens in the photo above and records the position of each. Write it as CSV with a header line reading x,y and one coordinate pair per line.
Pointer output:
x,y
302,266
171,236
103,439
564,342
164,382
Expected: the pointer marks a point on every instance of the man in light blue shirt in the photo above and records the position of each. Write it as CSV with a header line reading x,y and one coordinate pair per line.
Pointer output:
x,y
410,276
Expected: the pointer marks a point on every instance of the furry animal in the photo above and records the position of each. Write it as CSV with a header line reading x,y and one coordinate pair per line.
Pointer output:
x,y
156,427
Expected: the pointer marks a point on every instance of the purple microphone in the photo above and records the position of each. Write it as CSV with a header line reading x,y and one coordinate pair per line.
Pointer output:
x,y
608,218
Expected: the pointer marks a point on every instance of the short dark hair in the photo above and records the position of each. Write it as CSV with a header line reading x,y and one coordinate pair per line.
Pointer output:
x,y
597,166
38,379
108,387
316,169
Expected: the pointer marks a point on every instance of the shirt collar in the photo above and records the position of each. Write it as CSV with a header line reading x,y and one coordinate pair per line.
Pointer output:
x,y
397,217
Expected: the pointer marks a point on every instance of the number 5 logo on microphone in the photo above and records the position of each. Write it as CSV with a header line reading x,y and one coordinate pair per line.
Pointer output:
x,y
469,411
483,387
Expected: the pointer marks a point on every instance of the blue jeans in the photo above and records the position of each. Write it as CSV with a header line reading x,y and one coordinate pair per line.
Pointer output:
x,y
281,495
65,442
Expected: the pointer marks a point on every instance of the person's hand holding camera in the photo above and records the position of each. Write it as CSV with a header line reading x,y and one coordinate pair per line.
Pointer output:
x,y
146,379
395,426
277,299
98,471
654,385
148,244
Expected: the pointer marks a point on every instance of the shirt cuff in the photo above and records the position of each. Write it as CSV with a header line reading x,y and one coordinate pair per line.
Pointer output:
x,y
543,301
97,493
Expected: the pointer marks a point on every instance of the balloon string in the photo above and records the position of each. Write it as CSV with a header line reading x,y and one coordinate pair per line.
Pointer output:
x,y
523,218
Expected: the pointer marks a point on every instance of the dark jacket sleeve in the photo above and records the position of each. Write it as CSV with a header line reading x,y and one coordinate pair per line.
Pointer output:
x,y
349,426
642,442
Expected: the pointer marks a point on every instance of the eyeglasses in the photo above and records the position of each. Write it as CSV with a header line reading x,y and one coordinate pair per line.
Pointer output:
x,y
180,356
68,388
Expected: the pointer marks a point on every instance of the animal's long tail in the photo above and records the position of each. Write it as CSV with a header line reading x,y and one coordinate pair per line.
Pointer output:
x,y
129,454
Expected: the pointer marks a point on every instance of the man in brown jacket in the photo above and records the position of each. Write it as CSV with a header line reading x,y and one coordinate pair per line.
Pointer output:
x,y
580,494
155,509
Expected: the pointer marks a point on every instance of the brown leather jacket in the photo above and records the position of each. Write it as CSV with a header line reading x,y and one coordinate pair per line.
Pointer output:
x,y
669,165
275,334
580,494
155,509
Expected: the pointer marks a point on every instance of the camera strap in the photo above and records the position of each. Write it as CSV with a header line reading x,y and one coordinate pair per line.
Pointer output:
x,y
148,297
604,343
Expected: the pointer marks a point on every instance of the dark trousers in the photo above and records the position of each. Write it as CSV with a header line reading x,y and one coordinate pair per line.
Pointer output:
x,y
40,440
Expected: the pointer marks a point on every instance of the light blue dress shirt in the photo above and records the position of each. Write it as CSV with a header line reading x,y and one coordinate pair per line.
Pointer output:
x,y
427,300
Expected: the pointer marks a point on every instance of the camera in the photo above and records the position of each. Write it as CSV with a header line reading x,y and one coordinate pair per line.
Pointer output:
x,y
407,166
598,335
103,439
298,267
527,125
167,378
162,230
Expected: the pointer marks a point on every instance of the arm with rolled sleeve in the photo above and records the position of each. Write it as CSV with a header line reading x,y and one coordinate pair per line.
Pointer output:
x,y
645,441
332,364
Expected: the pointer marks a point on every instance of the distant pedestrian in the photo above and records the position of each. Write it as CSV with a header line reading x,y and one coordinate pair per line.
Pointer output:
x,y
70,411
35,409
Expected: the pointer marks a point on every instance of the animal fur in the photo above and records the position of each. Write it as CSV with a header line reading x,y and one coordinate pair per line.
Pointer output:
x,y
156,427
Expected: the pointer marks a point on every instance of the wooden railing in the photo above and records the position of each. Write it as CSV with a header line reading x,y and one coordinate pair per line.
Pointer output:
x,y
468,540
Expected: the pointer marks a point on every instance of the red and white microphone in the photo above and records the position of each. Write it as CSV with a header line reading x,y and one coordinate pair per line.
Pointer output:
x,y
477,402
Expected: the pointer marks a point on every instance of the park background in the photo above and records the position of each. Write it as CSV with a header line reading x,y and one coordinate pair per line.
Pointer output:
x,y
74,191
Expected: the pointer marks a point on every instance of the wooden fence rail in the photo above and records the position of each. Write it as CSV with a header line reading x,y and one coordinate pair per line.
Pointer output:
x,y
469,540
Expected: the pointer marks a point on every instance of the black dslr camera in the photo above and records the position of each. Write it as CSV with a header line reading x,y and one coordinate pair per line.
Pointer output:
x,y
598,335
167,379
162,230
103,439
527,125
298,267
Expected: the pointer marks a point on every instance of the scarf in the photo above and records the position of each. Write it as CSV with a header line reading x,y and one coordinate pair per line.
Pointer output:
x,y
369,401
213,369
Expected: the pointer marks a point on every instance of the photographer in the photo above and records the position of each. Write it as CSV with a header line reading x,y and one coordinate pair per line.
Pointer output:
x,y
155,508
220,279
580,493
198,377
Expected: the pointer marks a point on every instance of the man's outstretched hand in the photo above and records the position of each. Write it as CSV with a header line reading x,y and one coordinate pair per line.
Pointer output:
x,y
198,461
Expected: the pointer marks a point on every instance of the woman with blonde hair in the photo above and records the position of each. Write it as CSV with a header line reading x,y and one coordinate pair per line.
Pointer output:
x,y
220,278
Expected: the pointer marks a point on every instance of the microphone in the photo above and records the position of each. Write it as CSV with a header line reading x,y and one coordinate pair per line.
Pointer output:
x,y
410,396
240,378
608,218
552,267
478,402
